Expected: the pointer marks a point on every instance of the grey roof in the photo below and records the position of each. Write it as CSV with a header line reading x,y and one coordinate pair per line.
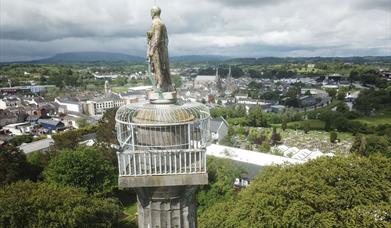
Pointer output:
x,y
36,146
216,123
49,121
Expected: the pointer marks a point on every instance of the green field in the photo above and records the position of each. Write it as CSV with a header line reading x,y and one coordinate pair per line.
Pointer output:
x,y
313,124
374,121
120,89
130,216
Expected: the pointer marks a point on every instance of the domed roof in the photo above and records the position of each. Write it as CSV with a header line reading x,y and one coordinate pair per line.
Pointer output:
x,y
153,114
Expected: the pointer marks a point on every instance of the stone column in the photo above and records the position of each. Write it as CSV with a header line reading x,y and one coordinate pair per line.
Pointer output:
x,y
166,207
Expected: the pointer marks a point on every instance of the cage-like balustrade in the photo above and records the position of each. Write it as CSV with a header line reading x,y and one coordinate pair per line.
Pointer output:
x,y
161,140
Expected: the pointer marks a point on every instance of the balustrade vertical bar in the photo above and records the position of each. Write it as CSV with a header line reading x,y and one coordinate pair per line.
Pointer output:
x,y
134,164
155,167
130,164
200,160
175,162
124,165
160,163
204,152
169,154
119,163
139,164
190,163
145,163
180,161
189,135
185,153
165,163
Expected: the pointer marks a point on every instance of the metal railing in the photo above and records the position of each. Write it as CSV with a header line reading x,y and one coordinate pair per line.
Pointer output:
x,y
163,162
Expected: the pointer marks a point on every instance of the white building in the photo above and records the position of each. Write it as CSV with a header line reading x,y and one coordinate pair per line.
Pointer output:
x,y
99,105
202,80
41,146
10,102
71,105
19,128
218,128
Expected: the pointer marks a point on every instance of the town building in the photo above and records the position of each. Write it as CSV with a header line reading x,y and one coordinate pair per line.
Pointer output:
x,y
51,125
218,128
10,102
99,105
7,117
38,146
69,104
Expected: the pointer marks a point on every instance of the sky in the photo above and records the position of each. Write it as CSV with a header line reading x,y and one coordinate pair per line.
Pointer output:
x,y
33,29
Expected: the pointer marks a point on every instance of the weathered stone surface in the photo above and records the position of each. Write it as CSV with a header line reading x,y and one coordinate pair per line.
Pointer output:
x,y
159,181
158,52
166,207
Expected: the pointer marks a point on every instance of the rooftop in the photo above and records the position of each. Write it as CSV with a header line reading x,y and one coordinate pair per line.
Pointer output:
x,y
36,146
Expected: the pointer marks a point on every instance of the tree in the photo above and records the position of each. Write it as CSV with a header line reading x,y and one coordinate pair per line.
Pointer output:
x,y
341,96
106,129
120,81
221,176
324,192
328,118
19,139
306,127
177,80
38,161
332,92
67,139
28,204
255,117
84,168
284,124
371,144
342,107
13,165
333,136
276,137
81,122
369,100
292,102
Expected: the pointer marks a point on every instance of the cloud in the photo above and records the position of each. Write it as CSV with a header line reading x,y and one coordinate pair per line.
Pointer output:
x,y
40,28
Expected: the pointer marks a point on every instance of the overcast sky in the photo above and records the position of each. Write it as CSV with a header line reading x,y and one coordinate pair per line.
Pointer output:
x,y
33,29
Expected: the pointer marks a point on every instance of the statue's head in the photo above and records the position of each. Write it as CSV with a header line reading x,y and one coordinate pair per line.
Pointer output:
x,y
155,12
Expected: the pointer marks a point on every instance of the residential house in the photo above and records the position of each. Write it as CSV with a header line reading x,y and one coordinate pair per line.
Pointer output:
x,y
51,125
219,128
40,146
7,117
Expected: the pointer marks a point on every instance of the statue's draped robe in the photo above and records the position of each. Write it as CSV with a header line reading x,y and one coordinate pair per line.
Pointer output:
x,y
158,48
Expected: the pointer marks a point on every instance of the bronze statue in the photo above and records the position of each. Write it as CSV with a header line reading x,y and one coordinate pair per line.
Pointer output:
x,y
158,52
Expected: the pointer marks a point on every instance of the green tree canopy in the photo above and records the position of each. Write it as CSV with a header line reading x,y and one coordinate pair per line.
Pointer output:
x,y
221,175
67,139
349,191
106,129
28,204
13,165
84,167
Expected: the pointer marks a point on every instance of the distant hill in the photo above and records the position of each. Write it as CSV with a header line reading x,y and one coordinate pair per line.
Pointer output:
x,y
88,57
199,58
277,60
91,57
119,58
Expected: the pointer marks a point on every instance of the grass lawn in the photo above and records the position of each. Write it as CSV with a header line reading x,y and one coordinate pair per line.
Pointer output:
x,y
314,124
374,121
383,116
130,218
120,89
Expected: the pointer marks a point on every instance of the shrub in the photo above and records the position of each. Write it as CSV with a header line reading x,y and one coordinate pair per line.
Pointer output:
x,y
28,204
